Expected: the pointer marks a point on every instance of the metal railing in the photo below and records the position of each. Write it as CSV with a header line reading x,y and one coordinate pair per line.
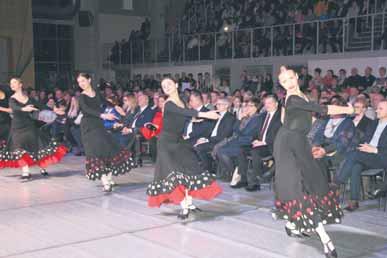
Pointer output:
x,y
339,35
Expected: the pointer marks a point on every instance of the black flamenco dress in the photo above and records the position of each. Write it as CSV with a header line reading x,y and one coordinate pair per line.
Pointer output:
x,y
27,145
177,167
103,153
303,196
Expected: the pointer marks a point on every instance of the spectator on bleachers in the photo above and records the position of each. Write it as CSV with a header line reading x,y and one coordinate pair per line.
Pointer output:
x,y
317,81
304,78
368,78
371,154
342,79
329,79
355,80
381,82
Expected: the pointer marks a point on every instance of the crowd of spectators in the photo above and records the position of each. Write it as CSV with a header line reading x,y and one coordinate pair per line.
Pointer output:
x,y
206,17
250,118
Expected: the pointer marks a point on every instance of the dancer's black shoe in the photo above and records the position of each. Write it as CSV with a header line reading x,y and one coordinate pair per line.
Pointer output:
x,y
43,172
184,214
332,253
107,188
193,208
25,177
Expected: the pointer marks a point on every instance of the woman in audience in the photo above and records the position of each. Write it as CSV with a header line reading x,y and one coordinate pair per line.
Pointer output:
x,y
178,177
151,131
303,197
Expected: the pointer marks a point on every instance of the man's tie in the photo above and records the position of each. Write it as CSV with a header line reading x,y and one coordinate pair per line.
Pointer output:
x,y
265,125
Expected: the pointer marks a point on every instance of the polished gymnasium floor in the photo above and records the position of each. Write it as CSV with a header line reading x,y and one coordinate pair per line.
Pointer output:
x,y
68,216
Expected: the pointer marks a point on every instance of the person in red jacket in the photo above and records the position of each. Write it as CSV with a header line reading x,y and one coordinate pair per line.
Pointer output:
x,y
151,130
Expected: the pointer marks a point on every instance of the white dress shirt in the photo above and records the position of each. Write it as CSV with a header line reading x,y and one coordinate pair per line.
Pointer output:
x,y
215,130
137,116
271,115
378,132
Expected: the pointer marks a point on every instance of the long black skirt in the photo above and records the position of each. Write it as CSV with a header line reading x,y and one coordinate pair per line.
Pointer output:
x,y
303,196
103,154
177,172
30,146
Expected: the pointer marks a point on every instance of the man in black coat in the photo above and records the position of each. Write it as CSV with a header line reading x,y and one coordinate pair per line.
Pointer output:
x,y
262,146
195,129
369,155
222,129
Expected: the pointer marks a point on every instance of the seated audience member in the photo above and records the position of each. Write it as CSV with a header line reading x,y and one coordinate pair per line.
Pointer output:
x,y
197,128
223,128
57,128
371,154
335,138
236,108
131,132
127,112
229,149
360,120
151,130
110,109
262,146
207,101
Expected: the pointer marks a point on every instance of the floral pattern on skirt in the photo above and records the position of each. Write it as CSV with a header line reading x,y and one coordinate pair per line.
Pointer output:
x,y
305,214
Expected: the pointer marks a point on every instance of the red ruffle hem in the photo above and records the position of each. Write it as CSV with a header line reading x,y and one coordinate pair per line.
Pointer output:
x,y
27,160
177,195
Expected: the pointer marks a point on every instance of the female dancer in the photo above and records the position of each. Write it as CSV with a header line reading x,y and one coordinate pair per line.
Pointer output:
x,y
303,196
104,157
178,177
27,145
5,119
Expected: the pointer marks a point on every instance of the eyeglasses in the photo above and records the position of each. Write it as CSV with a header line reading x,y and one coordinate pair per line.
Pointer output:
x,y
221,103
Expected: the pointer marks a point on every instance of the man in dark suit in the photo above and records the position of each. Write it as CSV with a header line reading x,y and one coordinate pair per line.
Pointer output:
x,y
262,146
334,139
131,132
369,155
227,151
222,129
194,128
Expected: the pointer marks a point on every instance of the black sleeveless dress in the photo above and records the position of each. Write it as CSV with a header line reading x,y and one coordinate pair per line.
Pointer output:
x,y
177,167
103,153
27,144
302,193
